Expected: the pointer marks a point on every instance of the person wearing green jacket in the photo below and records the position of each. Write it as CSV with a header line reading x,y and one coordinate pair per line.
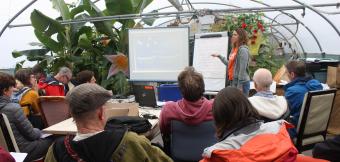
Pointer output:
x,y
92,143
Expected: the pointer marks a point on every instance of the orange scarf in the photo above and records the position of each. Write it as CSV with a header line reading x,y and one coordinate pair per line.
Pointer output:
x,y
232,58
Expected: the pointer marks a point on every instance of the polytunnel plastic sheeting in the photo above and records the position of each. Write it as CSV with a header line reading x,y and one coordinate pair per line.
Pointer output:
x,y
18,38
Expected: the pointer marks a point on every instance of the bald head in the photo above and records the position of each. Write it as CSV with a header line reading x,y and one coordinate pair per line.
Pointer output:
x,y
262,79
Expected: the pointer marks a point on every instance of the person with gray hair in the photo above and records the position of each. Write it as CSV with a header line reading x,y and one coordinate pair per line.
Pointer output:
x,y
269,106
92,142
57,85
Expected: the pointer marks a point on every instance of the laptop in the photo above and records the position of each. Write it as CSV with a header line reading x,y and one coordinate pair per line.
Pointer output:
x,y
145,95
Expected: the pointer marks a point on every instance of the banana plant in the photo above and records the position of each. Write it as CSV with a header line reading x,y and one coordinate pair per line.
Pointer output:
x,y
80,45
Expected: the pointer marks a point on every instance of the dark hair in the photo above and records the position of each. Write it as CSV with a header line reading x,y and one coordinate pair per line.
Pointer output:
x,y
84,76
6,81
191,84
230,107
37,69
242,36
24,76
297,67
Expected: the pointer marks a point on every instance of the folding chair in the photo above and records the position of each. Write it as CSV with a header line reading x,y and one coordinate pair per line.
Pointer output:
x,y
187,142
314,118
7,140
54,109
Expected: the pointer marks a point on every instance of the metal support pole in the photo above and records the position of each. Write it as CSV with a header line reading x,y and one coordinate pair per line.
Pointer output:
x,y
323,16
310,31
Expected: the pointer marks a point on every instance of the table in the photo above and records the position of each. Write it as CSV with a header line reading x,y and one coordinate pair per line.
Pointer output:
x,y
68,126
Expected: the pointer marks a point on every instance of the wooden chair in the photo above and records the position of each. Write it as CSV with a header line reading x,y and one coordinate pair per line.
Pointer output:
x,y
54,109
314,118
7,140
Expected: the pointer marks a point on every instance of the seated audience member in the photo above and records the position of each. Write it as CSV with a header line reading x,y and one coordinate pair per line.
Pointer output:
x,y
328,150
57,85
242,136
27,97
5,156
85,76
39,74
192,109
269,106
27,138
92,142
297,88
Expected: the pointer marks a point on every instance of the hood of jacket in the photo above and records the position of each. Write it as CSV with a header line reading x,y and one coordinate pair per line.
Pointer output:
x,y
194,112
272,108
99,147
311,84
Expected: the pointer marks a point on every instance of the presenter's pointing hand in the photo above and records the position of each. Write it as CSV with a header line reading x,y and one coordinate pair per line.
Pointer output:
x,y
214,55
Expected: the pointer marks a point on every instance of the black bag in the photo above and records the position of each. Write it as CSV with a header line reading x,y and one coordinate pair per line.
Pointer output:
x,y
132,123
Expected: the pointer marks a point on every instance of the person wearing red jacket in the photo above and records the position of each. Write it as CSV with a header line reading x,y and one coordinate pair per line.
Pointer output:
x,y
57,85
243,136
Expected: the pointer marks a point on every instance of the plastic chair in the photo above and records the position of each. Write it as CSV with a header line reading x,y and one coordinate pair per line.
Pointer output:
x,y
187,142
54,109
314,118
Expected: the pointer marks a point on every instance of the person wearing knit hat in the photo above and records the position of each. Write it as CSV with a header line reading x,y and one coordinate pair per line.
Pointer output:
x,y
92,142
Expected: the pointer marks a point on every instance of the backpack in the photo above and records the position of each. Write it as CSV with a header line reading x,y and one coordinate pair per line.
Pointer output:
x,y
132,123
16,97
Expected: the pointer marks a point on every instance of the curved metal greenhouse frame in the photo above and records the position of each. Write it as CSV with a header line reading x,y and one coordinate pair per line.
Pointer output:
x,y
236,9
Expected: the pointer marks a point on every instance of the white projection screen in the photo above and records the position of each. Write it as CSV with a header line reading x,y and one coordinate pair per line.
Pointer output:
x,y
158,54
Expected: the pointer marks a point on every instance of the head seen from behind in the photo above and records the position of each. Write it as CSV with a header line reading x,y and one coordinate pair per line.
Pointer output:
x,y
231,107
296,69
26,77
85,76
64,75
7,83
38,71
191,84
239,37
262,79
86,106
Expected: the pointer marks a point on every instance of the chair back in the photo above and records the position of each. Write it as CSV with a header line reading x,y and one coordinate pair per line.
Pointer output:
x,y
7,140
54,109
314,118
187,142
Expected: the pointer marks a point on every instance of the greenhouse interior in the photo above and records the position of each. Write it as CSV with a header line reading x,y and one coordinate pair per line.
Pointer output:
x,y
170,80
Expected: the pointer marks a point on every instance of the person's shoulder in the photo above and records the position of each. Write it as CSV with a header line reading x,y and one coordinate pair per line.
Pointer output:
x,y
32,92
135,139
169,105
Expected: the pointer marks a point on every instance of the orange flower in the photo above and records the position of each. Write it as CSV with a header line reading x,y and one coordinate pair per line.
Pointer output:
x,y
119,63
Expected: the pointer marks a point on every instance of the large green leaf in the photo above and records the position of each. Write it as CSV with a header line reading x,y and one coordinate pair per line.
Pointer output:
x,y
104,27
48,42
45,28
120,7
45,24
30,53
61,6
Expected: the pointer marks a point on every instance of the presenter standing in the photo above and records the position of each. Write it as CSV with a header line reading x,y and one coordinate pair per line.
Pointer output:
x,y
238,62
